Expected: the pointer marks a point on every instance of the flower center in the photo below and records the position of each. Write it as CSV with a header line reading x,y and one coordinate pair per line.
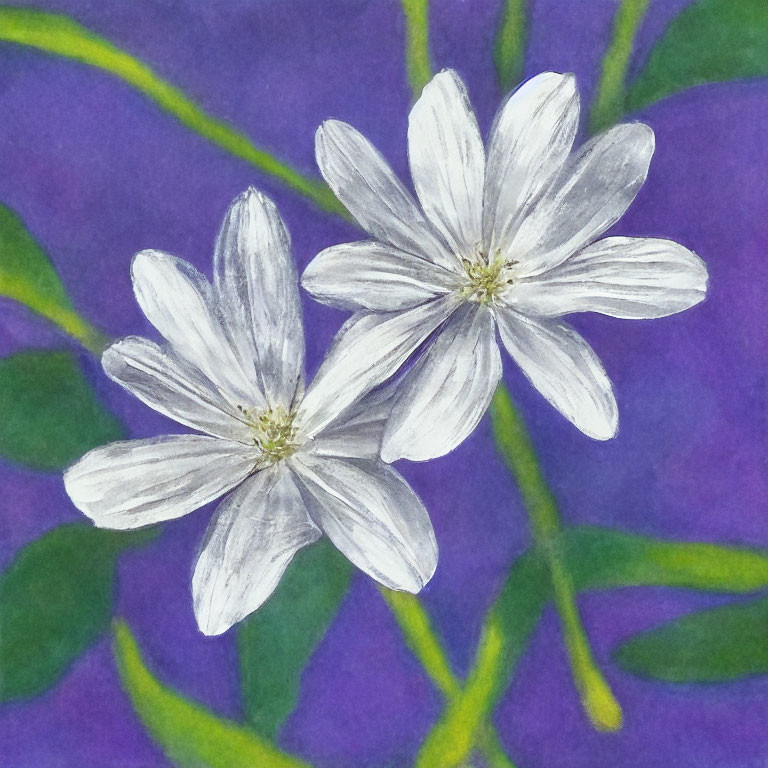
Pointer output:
x,y
485,277
273,433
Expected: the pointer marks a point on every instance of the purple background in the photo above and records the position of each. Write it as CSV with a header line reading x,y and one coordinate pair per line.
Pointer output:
x,y
98,173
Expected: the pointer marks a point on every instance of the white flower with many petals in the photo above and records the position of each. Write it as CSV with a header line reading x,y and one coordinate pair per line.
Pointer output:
x,y
505,239
233,369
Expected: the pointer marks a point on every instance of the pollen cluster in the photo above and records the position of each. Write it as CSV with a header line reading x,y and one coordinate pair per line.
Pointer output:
x,y
273,433
485,278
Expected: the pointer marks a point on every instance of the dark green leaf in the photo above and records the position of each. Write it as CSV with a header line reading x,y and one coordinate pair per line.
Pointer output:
x,y
55,601
49,416
278,640
711,41
191,736
711,646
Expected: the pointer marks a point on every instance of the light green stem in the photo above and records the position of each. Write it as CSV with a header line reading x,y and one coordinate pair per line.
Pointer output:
x,y
416,627
514,444
511,40
417,44
66,318
80,330
608,106
62,36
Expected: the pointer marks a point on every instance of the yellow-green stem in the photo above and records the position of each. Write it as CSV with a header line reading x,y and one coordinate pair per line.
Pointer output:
x,y
56,312
511,39
459,730
514,444
81,330
62,36
608,106
417,44
420,637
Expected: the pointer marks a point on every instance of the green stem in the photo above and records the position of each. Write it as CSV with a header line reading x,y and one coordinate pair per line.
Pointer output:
x,y
463,725
62,36
417,44
56,312
608,105
78,328
416,627
511,40
514,444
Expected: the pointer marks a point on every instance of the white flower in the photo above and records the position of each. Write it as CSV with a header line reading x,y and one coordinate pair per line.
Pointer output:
x,y
507,241
233,368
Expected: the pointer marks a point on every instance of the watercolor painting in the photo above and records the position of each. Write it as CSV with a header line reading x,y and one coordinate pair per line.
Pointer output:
x,y
383,384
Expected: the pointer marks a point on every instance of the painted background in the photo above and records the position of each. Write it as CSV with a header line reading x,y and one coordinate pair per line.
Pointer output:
x,y
97,172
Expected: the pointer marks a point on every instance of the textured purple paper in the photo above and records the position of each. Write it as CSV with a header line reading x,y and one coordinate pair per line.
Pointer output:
x,y
98,173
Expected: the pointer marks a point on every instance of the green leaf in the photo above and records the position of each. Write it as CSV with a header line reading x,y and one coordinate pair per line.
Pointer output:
x,y
61,36
601,558
49,416
55,601
277,641
711,646
711,41
190,735
27,276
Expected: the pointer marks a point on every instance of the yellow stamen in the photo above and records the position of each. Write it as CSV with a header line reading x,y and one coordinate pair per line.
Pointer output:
x,y
273,432
485,278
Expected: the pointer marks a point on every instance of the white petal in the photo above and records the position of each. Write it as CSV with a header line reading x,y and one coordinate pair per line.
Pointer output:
x,y
447,160
564,368
370,275
178,301
442,399
595,189
172,387
368,349
256,532
371,514
530,141
257,286
141,482
357,433
361,178
618,276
